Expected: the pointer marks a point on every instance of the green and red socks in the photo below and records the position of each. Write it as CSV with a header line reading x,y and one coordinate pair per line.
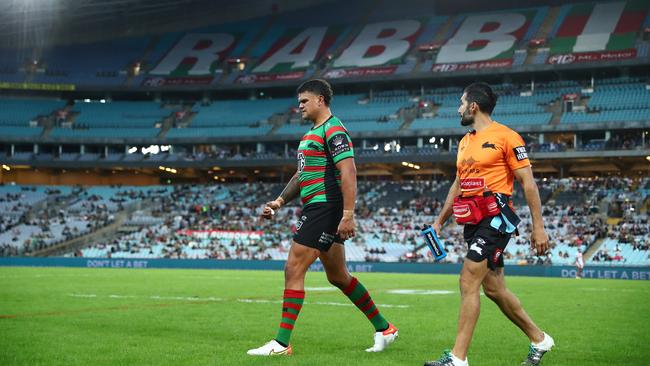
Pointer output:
x,y
361,298
291,306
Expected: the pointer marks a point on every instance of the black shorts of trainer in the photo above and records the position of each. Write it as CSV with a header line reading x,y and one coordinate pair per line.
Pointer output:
x,y
318,225
485,242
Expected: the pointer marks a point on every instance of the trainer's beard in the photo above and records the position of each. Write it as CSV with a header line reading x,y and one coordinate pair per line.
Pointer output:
x,y
466,119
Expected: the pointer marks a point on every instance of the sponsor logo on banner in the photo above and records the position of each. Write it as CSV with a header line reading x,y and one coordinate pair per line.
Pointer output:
x,y
565,59
36,86
490,64
359,72
471,184
227,234
156,82
262,78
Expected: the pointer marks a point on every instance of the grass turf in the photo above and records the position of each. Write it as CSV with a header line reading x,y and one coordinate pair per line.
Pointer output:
x,y
70,316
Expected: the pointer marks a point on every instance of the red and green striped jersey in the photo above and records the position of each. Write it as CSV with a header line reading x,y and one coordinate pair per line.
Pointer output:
x,y
319,151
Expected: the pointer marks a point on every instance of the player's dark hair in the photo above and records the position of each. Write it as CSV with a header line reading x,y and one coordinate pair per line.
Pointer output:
x,y
317,87
481,94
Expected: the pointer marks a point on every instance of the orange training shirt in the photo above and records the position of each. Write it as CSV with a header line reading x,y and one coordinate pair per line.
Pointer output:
x,y
486,160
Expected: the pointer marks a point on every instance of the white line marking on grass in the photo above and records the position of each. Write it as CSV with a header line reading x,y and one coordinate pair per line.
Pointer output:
x,y
318,303
320,289
599,289
218,299
419,292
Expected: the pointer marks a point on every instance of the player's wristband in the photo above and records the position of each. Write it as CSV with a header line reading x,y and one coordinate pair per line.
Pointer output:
x,y
348,214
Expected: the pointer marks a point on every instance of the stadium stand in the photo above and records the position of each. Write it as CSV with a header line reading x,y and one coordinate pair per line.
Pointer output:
x,y
222,221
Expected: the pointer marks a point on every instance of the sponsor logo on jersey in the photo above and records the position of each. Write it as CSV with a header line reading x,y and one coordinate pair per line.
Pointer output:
x,y
469,161
471,184
326,238
520,153
496,255
337,140
301,162
300,222
339,144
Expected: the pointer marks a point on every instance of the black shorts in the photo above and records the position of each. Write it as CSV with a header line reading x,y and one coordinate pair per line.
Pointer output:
x,y
318,225
485,242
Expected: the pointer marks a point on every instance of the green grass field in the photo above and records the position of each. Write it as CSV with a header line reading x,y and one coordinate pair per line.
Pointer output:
x,y
63,316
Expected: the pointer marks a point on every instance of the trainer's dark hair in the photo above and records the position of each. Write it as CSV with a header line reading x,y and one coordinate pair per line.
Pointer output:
x,y
317,87
481,94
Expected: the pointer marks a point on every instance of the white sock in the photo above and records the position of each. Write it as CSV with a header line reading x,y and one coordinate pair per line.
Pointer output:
x,y
545,344
458,361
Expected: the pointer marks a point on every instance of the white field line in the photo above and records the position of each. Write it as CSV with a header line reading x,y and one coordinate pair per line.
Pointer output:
x,y
218,299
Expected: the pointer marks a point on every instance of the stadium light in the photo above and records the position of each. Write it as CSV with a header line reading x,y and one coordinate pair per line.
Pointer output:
x,y
647,158
86,100
405,163
102,101
6,167
133,150
376,147
387,147
432,140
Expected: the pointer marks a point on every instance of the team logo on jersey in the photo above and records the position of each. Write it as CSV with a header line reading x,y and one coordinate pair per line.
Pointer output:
x,y
487,145
301,162
520,153
476,248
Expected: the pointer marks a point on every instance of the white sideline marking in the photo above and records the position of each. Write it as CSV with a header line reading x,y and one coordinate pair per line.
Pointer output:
x,y
320,289
219,299
611,289
419,292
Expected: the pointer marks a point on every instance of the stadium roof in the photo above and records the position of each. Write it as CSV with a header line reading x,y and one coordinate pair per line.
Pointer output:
x,y
27,23
39,22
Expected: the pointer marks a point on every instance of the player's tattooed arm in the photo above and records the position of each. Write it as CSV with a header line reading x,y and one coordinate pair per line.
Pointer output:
x,y
291,191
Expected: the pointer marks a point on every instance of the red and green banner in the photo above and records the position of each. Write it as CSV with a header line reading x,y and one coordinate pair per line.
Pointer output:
x,y
297,49
595,27
484,40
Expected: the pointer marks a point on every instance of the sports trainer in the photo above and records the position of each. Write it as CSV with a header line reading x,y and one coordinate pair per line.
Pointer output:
x,y
326,183
489,158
